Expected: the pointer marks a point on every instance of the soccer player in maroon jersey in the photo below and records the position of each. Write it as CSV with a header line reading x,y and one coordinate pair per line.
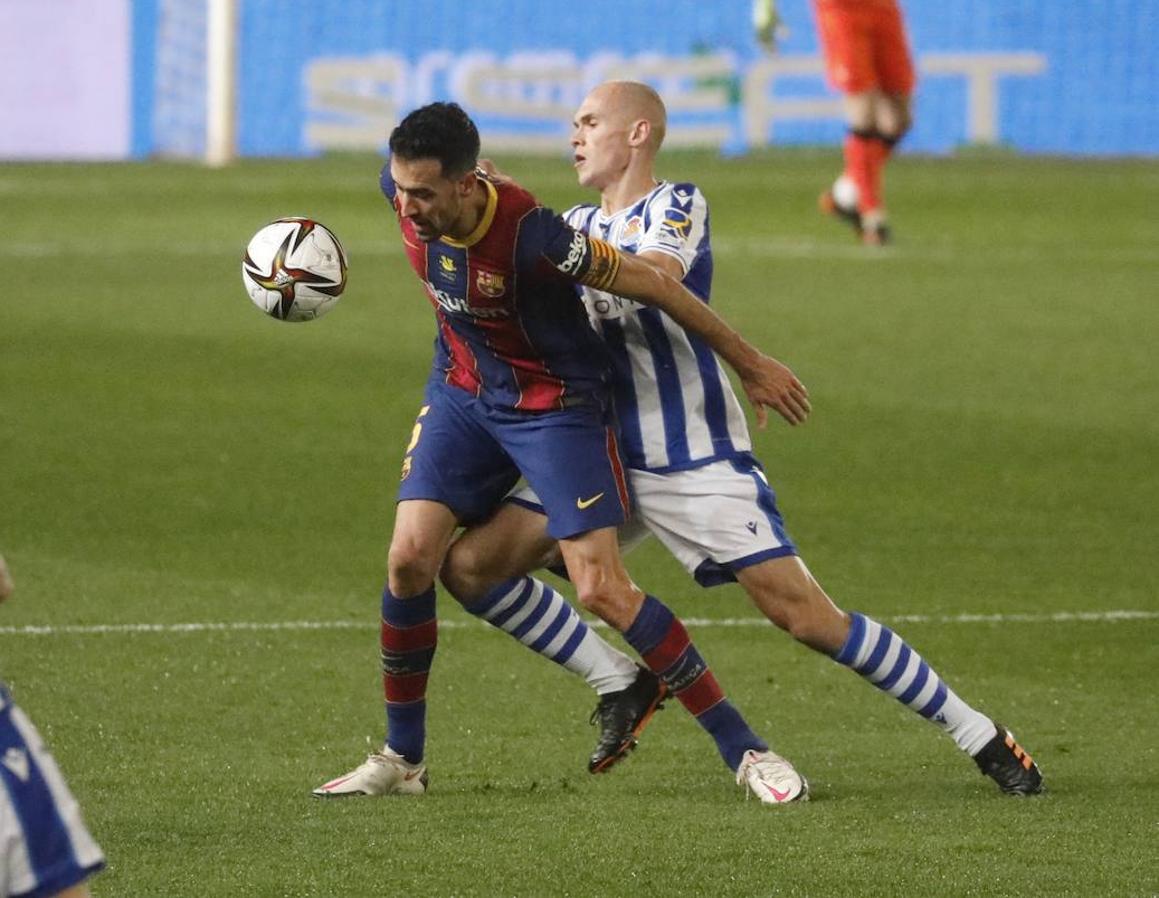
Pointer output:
x,y
519,386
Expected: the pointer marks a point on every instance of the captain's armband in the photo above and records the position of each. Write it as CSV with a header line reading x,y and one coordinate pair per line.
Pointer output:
x,y
588,260
605,264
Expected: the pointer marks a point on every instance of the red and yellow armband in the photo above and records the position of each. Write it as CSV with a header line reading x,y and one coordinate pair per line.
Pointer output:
x,y
589,260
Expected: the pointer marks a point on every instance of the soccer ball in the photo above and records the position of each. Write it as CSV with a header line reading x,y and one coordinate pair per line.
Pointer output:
x,y
294,269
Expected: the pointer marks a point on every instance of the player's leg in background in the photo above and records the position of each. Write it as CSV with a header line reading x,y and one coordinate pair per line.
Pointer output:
x,y
787,593
891,113
846,41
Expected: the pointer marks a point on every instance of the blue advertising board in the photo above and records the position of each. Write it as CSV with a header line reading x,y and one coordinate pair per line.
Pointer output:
x,y
1041,76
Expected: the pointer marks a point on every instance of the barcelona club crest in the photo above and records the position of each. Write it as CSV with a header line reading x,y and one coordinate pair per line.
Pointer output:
x,y
490,283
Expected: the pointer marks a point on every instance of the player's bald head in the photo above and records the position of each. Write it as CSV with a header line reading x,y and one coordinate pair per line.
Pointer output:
x,y
633,101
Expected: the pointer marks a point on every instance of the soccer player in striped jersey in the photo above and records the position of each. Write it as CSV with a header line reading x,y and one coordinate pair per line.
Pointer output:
x,y
519,387
45,849
695,482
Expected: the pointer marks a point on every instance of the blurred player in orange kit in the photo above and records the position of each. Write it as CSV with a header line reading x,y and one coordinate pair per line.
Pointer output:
x,y
867,58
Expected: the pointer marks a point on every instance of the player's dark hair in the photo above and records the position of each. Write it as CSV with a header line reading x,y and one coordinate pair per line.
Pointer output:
x,y
440,131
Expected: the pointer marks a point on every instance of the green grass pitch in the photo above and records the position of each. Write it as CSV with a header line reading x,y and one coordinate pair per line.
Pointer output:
x,y
983,442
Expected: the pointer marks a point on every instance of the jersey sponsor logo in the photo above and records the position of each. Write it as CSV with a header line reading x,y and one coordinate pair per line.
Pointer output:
x,y
608,305
576,253
458,305
677,222
490,283
581,503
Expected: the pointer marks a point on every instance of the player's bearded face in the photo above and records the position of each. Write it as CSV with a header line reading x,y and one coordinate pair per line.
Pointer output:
x,y
430,201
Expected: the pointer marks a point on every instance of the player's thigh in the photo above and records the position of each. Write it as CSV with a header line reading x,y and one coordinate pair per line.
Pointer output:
x,y
512,542
715,519
453,458
787,594
571,459
847,48
630,535
601,581
892,61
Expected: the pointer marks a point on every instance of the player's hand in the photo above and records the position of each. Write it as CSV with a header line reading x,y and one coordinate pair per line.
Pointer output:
x,y
491,171
767,24
769,384
6,585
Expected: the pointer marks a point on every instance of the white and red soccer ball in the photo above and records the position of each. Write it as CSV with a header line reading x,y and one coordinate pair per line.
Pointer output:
x,y
294,269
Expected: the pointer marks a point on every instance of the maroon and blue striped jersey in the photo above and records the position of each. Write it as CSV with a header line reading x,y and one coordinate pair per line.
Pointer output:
x,y
511,327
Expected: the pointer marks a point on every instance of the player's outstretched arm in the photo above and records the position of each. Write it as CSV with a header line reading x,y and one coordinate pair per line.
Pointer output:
x,y
766,382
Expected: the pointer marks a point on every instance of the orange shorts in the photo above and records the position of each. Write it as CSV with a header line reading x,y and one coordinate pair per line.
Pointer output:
x,y
865,46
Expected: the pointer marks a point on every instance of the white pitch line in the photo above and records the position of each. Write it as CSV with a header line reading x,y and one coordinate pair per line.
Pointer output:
x,y
1058,617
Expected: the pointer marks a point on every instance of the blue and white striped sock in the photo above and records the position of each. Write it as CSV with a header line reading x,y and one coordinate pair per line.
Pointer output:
x,y
546,623
885,660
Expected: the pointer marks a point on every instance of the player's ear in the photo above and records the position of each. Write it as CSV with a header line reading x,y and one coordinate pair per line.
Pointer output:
x,y
639,133
466,184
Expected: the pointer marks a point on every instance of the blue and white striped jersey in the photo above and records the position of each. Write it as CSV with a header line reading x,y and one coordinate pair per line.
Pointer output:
x,y
44,845
676,407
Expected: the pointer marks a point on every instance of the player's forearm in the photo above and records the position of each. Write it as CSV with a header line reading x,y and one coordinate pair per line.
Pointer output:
x,y
648,284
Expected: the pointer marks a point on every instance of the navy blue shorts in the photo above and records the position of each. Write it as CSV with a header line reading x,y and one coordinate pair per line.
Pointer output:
x,y
468,455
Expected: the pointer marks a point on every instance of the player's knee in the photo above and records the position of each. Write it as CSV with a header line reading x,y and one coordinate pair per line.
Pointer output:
x,y
803,611
785,604
611,602
410,569
895,120
466,572
893,134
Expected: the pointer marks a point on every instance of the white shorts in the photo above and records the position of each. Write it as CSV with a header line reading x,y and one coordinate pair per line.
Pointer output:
x,y
44,846
716,519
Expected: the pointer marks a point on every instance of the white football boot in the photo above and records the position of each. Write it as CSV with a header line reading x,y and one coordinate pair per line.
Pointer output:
x,y
382,773
771,778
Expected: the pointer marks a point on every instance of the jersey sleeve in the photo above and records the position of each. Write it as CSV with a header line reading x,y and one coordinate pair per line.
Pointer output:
x,y
678,218
578,257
